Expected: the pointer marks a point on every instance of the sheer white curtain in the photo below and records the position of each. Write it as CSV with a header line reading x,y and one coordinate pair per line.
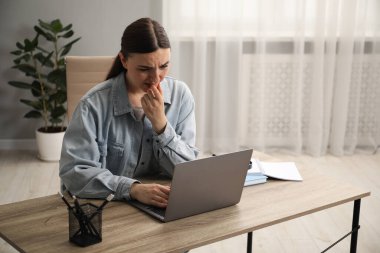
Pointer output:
x,y
298,75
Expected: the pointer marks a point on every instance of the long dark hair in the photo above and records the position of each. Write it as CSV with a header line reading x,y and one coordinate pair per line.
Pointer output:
x,y
145,35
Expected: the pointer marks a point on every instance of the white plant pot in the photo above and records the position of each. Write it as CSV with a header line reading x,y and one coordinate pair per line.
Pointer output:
x,y
49,145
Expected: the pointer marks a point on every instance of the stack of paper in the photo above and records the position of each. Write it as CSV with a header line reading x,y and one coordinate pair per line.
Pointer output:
x,y
252,179
254,176
278,170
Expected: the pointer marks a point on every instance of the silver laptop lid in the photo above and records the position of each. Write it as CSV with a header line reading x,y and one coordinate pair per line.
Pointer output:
x,y
207,184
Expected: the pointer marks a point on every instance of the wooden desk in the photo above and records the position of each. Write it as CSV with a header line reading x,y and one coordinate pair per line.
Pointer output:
x,y
41,225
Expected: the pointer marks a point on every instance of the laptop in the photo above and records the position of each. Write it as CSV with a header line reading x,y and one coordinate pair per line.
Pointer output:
x,y
203,185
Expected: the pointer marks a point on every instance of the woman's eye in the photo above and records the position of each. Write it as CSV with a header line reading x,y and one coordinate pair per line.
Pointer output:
x,y
164,66
143,70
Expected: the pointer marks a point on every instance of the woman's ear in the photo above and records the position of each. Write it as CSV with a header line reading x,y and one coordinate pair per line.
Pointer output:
x,y
123,60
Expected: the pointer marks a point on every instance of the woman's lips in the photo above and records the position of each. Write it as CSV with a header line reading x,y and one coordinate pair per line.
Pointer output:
x,y
149,86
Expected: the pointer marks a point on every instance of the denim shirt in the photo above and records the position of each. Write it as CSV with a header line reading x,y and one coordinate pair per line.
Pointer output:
x,y
106,147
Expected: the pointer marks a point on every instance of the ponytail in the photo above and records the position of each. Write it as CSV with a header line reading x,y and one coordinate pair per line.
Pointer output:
x,y
116,69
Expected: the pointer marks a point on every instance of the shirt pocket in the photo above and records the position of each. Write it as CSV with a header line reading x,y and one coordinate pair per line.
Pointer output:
x,y
115,152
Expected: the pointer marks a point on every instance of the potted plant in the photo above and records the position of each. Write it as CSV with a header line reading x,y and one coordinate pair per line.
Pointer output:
x,y
41,60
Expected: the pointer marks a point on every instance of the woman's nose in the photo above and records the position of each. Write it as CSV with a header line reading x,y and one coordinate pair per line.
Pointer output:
x,y
154,76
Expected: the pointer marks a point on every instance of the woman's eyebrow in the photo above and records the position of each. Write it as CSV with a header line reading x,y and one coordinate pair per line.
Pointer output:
x,y
148,67
144,66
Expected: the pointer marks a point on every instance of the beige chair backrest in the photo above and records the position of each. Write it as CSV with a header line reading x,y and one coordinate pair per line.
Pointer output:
x,y
82,73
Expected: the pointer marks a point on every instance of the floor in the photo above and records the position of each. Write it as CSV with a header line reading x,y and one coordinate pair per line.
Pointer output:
x,y
23,177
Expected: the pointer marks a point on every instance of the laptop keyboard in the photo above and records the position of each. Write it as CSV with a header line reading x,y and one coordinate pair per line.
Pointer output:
x,y
157,210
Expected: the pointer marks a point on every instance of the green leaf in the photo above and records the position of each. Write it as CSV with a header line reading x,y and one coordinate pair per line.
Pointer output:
x,y
45,25
27,69
35,104
46,35
36,88
16,52
48,62
25,57
33,114
66,48
17,61
56,25
39,57
20,85
61,62
44,60
48,27
67,35
29,46
50,37
19,45
59,97
58,111
39,30
35,41
66,28
57,76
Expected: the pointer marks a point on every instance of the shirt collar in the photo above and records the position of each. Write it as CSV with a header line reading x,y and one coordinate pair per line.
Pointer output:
x,y
121,104
167,92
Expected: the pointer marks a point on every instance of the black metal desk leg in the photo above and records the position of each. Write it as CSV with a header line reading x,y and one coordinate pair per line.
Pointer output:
x,y
355,226
249,242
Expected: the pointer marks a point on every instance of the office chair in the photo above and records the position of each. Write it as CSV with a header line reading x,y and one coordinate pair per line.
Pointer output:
x,y
82,73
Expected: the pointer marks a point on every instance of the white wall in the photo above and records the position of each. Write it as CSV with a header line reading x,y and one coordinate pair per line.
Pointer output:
x,y
100,23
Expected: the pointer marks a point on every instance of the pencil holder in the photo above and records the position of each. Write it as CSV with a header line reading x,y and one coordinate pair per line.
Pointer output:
x,y
85,225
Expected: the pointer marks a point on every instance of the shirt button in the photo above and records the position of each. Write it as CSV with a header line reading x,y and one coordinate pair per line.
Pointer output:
x,y
142,163
147,140
157,141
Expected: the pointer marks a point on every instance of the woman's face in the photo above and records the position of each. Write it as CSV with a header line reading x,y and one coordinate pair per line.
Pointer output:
x,y
146,69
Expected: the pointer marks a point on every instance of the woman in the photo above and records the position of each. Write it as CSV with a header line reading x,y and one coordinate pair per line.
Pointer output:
x,y
137,123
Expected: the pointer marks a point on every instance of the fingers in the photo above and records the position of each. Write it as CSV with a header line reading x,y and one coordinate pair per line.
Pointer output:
x,y
158,201
151,98
157,91
144,102
154,194
153,95
161,195
150,94
165,189
159,204
159,88
161,192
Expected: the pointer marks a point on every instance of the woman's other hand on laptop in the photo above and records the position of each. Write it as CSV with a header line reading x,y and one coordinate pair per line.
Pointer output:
x,y
151,194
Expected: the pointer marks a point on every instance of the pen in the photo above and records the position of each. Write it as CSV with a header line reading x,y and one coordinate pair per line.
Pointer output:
x,y
82,217
71,195
77,206
64,200
105,202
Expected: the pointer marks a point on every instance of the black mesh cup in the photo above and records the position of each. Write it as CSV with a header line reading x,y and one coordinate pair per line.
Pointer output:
x,y
85,226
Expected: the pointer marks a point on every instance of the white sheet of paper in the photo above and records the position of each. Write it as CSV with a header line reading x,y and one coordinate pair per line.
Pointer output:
x,y
255,166
281,170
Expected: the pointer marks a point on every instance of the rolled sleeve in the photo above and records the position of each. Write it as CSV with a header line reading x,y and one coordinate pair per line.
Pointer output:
x,y
124,188
165,137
